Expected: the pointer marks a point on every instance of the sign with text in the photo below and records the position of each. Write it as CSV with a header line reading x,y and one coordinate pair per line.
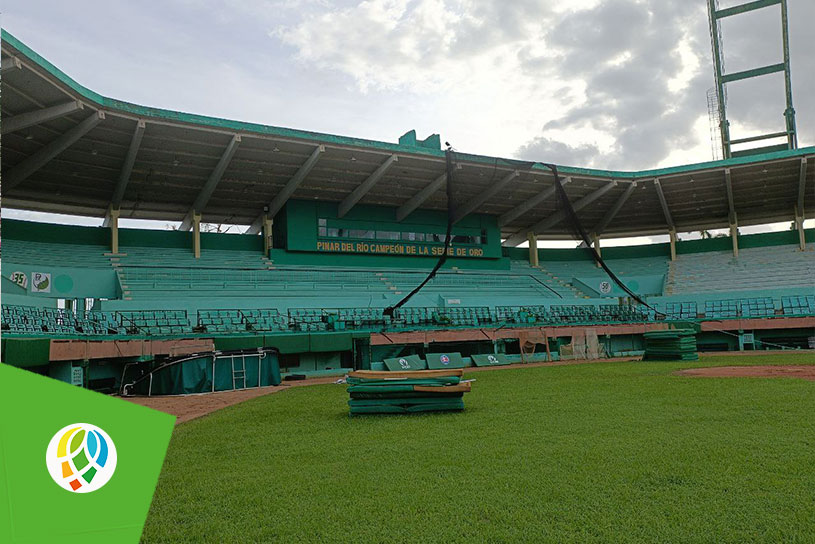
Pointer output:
x,y
381,248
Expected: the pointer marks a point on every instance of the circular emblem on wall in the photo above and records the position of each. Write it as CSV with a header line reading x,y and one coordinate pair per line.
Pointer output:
x,y
605,287
445,360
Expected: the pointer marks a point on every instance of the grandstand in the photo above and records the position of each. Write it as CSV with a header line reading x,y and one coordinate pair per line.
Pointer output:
x,y
335,229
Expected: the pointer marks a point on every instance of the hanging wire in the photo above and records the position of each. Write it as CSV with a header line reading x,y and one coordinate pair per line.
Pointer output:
x,y
451,212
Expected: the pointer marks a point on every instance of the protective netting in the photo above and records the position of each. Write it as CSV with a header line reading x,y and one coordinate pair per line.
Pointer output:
x,y
451,213
564,206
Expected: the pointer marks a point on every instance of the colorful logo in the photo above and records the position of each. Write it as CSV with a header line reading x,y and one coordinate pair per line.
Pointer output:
x,y
445,360
81,458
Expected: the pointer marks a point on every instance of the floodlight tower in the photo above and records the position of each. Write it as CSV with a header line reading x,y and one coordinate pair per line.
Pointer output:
x,y
722,79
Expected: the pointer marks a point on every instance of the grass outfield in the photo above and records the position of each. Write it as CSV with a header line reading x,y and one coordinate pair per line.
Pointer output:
x,y
622,452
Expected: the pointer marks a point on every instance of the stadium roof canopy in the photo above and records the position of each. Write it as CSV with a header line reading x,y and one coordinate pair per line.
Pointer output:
x,y
67,149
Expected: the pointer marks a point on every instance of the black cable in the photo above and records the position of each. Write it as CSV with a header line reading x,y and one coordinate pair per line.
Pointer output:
x,y
574,221
451,213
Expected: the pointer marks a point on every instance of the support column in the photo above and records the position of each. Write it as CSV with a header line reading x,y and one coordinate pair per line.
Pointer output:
x,y
533,249
113,223
672,234
799,226
267,235
196,235
734,234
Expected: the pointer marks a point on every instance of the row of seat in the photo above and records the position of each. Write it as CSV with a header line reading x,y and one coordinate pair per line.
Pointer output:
x,y
263,320
152,282
52,321
773,267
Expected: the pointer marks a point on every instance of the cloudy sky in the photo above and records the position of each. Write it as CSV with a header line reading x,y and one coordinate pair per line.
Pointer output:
x,y
602,83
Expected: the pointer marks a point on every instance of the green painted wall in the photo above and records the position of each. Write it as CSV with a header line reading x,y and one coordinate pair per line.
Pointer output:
x,y
26,352
643,285
67,282
376,262
297,228
60,234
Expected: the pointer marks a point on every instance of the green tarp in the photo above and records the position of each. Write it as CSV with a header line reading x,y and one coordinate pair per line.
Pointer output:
x,y
408,409
196,375
671,345
408,362
496,359
441,361
401,382
371,393
407,393
451,401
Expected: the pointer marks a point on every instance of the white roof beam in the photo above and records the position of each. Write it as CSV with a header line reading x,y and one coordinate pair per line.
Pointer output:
x,y
36,117
520,236
665,209
357,194
288,190
34,162
127,167
514,213
10,63
473,204
212,182
419,198
612,213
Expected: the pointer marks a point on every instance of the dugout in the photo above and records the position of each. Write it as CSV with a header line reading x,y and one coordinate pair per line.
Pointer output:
x,y
205,373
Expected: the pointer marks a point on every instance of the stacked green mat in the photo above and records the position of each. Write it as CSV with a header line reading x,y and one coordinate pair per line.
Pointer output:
x,y
671,345
395,392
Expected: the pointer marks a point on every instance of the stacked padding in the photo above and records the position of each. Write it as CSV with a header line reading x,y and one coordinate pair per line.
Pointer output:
x,y
671,345
395,392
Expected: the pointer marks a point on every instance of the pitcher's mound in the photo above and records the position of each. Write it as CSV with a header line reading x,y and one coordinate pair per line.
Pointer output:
x,y
806,372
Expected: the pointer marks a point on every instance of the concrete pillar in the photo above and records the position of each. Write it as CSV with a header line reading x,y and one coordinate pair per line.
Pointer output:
x,y
799,226
113,223
267,235
734,236
533,249
196,235
596,241
672,234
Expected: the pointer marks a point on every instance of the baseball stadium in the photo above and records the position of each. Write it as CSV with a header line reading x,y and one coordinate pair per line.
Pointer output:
x,y
653,392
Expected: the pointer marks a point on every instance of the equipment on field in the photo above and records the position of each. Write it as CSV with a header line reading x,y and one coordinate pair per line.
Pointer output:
x,y
671,345
396,392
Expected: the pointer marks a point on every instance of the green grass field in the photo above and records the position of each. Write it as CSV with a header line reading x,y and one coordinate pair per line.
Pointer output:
x,y
610,452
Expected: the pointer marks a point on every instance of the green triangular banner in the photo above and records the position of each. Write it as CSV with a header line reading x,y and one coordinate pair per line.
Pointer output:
x,y
75,466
